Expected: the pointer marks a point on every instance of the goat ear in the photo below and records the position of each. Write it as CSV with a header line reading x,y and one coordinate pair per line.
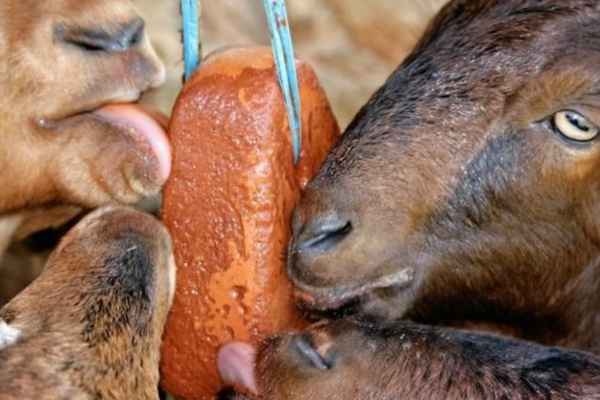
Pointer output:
x,y
237,393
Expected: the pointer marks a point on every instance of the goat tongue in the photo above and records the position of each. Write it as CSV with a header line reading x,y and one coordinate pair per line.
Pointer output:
x,y
236,364
147,123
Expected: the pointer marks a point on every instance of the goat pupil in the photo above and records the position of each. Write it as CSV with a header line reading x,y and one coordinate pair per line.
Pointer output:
x,y
578,122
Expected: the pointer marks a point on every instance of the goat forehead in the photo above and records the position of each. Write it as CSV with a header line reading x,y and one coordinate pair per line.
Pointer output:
x,y
468,62
456,83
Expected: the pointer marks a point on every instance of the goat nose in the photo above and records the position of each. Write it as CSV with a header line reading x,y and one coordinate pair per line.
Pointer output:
x,y
322,233
120,39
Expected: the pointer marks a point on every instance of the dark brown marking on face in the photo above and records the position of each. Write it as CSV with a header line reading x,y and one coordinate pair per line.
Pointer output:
x,y
130,279
90,326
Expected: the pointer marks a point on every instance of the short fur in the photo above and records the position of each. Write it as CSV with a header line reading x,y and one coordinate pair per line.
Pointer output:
x,y
347,360
91,324
453,178
56,155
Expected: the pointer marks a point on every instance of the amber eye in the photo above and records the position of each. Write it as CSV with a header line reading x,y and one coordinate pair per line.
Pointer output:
x,y
575,126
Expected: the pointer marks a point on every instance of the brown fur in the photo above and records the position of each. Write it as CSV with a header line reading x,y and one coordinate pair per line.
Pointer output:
x,y
91,324
347,360
57,157
453,184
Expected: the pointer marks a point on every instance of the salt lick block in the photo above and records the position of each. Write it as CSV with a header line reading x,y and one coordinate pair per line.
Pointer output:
x,y
228,205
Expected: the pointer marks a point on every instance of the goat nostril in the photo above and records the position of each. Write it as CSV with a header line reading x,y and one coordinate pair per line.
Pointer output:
x,y
305,347
102,39
323,233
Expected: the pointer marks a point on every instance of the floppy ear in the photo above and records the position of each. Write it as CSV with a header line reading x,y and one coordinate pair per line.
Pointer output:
x,y
237,393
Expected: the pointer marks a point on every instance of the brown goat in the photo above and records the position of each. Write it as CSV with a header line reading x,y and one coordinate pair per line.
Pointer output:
x,y
466,192
90,326
61,149
349,360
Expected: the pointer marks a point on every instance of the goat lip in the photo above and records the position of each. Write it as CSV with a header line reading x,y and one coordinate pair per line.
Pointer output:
x,y
330,298
88,107
140,119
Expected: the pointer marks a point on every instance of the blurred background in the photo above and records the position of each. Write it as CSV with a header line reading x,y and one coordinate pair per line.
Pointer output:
x,y
353,45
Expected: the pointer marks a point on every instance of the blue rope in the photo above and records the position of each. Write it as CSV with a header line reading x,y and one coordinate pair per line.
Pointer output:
x,y
191,36
283,52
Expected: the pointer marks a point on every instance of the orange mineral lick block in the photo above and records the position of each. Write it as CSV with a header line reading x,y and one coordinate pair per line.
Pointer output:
x,y
228,205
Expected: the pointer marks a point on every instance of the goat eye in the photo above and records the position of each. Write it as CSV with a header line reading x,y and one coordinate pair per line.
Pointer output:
x,y
575,126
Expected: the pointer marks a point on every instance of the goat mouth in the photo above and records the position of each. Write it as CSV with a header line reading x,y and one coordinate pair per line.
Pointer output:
x,y
135,118
89,106
331,298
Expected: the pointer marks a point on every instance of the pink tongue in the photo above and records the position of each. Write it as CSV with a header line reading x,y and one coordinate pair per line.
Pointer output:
x,y
132,116
236,364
